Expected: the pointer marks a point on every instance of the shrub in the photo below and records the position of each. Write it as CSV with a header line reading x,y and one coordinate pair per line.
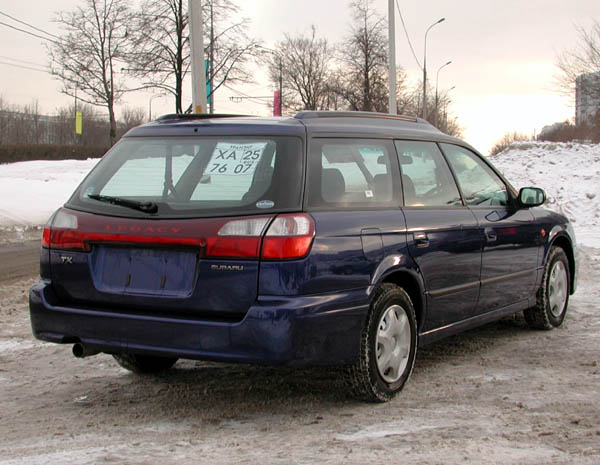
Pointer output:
x,y
24,152
507,140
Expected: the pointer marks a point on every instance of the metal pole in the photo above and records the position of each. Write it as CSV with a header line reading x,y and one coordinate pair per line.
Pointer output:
x,y
393,109
437,77
212,59
280,85
197,57
424,110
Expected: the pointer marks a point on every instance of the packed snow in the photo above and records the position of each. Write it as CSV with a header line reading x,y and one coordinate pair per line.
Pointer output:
x,y
30,191
569,172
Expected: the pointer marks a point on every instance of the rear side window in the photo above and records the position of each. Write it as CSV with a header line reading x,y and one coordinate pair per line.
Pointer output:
x,y
192,177
426,178
352,173
479,184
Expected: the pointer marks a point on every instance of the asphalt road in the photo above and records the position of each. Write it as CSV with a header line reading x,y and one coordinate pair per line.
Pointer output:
x,y
19,260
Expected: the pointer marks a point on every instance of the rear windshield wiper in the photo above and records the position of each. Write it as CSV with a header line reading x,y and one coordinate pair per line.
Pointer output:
x,y
146,207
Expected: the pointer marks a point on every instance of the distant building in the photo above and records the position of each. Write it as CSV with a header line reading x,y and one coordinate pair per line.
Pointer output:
x,y
587,97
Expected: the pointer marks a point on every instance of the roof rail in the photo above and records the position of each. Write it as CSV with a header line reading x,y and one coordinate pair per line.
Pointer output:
x,y
192,116
355,114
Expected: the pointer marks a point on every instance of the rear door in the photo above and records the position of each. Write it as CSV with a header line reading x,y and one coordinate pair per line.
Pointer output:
x,y
510,235
353,196
443,234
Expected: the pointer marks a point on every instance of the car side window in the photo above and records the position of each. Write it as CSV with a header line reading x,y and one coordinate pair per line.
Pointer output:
x,y
478,182
352,172
426,178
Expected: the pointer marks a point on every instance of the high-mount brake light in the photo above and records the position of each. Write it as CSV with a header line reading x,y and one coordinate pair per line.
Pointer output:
x,y
289,237
238,239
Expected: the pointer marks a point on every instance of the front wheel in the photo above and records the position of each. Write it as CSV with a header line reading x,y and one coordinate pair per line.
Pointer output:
x,y
144,364
553,295
388,346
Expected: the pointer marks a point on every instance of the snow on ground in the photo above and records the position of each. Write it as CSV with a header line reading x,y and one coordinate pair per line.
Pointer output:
x,y
30,191
568,172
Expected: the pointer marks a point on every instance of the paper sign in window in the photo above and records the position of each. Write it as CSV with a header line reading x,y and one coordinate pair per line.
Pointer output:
x,y
235,159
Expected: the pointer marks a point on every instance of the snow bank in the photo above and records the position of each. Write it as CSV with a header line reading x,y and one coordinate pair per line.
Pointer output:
x,y
30,191
568,172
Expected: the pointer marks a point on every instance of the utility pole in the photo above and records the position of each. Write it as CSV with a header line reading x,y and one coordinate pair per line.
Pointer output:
x,y
392,107
197,57
212,58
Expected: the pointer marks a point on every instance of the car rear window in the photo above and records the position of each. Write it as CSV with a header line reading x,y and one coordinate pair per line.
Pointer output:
x,y
196,177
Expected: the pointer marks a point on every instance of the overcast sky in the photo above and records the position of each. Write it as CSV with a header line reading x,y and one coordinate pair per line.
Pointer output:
x,y
502,54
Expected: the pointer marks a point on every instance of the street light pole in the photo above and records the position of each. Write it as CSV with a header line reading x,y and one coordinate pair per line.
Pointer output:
x,y
278,55
280,84
152,97
424,110
437,77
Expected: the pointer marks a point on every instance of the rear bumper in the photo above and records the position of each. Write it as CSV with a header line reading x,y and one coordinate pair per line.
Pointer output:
x,y
300,330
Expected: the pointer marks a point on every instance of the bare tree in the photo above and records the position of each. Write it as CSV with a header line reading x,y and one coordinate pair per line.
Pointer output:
x,y
584,59
365,58
161,54
303,63
130,118
86,56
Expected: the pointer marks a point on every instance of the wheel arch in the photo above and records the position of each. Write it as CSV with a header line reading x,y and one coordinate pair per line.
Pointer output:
x,y
564,242
411,282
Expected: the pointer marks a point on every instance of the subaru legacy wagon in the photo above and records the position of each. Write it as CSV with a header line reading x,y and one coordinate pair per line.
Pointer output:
x,y
335,238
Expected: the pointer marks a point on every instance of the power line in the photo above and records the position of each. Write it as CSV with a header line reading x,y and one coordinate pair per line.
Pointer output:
x,y
29,25
19,60
25,67
246,96
407,36
30,33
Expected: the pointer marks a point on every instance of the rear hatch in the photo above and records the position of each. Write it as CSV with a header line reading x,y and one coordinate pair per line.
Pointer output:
x,y
177,226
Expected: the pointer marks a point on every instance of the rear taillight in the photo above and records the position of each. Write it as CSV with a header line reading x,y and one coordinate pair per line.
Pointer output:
x,y
237,239
61,232
288,237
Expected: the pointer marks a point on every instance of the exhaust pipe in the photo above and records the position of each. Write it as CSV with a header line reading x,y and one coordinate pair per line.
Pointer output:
x,y
81,351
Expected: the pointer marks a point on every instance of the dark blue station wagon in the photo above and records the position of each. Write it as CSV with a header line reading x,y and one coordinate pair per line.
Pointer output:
x,y
334,238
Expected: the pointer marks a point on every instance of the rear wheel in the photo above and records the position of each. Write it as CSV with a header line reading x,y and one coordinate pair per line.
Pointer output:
x,y
553,295
146,364
388,347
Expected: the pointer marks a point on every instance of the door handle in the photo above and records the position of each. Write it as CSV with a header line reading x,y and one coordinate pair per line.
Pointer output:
x,y
421,239
490,235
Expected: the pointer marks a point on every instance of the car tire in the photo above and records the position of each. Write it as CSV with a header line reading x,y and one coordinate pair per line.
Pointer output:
x,y
552,298
388,347
144,364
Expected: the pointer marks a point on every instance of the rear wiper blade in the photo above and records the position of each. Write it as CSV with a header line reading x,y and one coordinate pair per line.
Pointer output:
x,y
146,207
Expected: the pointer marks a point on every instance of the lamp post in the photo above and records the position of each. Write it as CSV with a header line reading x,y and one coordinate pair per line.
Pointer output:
x,y
278,55
446,110
150,105
424,111
437,77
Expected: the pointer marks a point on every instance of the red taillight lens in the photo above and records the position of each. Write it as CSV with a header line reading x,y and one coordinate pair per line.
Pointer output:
x,y
289,237
237,239
61,232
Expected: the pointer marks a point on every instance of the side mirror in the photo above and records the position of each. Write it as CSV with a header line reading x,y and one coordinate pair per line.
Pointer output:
x,y
531,197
